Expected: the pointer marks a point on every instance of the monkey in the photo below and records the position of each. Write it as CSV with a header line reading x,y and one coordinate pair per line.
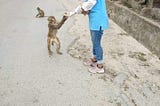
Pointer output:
x,y
40,13
52,38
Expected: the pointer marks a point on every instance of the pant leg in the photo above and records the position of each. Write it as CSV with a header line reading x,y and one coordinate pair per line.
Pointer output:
x,y
97,48
93,39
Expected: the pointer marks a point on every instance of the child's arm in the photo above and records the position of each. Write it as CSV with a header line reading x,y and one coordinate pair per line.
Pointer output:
x,y
85,6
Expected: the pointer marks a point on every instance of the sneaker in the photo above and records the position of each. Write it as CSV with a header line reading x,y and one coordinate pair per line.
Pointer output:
x,y
90,63
95,70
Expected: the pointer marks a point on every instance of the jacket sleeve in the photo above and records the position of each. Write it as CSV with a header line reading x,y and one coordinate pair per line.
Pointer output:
x,y
88,5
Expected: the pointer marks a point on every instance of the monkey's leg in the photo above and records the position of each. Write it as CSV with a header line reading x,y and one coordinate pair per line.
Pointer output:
x,y
58,45
52,43
49,45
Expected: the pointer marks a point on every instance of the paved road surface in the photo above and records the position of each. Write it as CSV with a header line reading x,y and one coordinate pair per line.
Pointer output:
x,y
28,76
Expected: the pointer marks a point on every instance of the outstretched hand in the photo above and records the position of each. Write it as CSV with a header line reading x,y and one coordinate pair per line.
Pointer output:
x,y
84,12
69,14
65,17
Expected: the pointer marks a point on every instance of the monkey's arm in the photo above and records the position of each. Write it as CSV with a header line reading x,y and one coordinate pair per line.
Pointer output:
x,y
61,23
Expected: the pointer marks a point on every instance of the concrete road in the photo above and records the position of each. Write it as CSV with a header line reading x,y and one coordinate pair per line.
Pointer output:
x,y
28,76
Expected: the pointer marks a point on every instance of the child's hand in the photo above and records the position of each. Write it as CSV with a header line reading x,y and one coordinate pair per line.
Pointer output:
x,y
84,12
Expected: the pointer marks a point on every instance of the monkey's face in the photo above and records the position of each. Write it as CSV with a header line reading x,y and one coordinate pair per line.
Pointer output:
x,y
52,19
38,8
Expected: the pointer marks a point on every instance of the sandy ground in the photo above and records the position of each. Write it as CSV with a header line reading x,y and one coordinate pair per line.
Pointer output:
x,y
29,77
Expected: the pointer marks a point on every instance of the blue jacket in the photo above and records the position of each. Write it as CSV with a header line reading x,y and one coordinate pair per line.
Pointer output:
x,y
98,16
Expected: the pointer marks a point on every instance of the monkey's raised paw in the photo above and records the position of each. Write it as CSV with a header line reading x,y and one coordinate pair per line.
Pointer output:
x,y
66,14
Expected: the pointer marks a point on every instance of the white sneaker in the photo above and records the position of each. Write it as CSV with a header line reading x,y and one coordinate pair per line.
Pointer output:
x,y
90,63
95,70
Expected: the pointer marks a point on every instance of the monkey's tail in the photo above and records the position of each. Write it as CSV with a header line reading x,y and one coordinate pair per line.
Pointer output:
x,y
46,16
42,17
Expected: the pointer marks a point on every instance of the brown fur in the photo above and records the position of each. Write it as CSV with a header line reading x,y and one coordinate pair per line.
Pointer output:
x,y
53,28
40,13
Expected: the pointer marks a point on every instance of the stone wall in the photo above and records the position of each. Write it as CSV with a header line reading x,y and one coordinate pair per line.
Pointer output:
x,y
136,3
142,29
156,3
130,3
147,8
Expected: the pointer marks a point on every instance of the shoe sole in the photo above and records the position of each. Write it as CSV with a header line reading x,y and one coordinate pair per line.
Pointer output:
x,y
94,72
